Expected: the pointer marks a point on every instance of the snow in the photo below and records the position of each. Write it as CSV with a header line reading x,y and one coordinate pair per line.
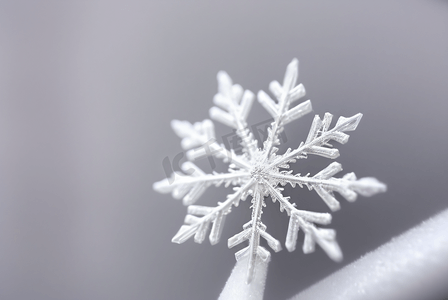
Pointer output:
x,y
412,266
260,172
236,287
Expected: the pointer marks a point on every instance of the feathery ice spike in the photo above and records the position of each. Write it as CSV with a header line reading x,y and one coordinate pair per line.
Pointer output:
x,y
259,172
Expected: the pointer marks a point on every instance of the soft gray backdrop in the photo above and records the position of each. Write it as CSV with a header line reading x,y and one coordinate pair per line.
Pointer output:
x,y
87,91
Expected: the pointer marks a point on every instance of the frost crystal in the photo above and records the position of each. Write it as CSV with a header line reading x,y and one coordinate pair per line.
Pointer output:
x,y
261,172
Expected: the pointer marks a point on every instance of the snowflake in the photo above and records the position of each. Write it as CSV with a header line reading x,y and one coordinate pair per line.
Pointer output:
x,y
261,172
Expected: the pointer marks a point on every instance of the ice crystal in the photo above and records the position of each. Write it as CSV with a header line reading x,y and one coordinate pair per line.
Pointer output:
x,y
261,172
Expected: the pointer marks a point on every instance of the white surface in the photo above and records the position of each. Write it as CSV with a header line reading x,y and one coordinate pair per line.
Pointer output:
x,y
236,287
411,266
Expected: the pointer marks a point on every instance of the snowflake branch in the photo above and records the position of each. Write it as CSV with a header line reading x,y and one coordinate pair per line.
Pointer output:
x,y
324,184
325,238
199,139
252,231
199,226
285,95
191,187
318,138
237,105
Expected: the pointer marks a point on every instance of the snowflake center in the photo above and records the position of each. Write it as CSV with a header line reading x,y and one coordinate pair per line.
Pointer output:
x,y
259,173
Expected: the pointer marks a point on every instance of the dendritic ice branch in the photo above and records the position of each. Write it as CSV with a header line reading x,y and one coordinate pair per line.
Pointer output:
x,y
259,173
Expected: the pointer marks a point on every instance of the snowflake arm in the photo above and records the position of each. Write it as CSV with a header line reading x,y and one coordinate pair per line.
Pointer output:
x,y
199,226
191,187
252,231
237,104
199,139
324,184
285,95
326,238
317,142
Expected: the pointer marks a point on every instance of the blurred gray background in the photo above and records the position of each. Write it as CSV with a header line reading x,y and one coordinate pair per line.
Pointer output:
x,y
87,91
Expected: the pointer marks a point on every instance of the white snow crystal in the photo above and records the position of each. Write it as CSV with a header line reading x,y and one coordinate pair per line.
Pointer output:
x,y
261,172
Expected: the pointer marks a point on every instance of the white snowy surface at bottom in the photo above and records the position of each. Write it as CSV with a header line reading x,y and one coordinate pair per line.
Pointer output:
x,y
236,287
411,266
